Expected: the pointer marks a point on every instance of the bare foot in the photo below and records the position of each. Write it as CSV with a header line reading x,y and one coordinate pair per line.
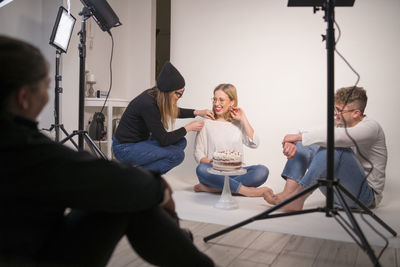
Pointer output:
x,y
294,205
253,191
205,188
262,191
270,197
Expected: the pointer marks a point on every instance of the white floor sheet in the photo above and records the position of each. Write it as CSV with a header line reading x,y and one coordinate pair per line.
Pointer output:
x,y
200,207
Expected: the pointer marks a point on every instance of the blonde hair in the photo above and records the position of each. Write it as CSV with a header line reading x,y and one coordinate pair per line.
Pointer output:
x,y
168,109
230,90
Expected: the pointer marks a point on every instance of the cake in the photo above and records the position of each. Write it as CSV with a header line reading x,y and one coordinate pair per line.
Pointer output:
x,y
227,160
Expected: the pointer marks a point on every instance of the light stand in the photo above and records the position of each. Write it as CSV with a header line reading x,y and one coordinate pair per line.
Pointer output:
x,y
60,38
82,134
332,184
106,19
57,91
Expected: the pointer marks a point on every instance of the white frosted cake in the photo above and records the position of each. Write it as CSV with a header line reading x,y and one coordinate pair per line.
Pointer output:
x,y
227,160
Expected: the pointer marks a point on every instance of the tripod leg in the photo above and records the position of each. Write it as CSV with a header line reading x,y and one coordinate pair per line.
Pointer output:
x,y
67,134
366,209
264,214
357,230
92,145
69,137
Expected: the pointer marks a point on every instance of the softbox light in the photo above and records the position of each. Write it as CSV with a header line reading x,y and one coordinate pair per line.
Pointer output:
x,y
4,2
102,14
62,30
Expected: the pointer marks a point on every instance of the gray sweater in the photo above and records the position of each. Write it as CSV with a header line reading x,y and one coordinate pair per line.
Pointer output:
x,y
370,139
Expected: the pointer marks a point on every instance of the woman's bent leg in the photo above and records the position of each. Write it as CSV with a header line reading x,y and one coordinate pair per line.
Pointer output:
x,y
255,176
214,180
150,155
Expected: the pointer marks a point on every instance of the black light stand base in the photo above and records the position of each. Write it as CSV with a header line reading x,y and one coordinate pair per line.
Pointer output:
x,y
352,227
57,128
84,135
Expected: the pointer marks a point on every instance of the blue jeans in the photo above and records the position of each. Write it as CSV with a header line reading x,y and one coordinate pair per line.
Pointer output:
x,y
150,155
256,175
309,164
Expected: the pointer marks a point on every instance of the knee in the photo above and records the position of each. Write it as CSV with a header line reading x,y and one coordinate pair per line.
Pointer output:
x,y
321,153
117,151
201,169
177,156
182,143
261,174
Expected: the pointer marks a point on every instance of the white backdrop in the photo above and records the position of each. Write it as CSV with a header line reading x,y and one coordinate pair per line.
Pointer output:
x,y
274,56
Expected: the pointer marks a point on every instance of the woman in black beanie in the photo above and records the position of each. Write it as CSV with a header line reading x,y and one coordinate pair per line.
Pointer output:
x,y
141,137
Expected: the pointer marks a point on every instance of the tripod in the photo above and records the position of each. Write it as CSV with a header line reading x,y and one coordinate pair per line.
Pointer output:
x,y
57,91
331,184
82,134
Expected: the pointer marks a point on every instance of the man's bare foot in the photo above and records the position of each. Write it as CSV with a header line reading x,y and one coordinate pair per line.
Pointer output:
x,y
294,205
205,188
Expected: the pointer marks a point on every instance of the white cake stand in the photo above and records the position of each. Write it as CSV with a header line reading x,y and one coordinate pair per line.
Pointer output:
x,y
226,201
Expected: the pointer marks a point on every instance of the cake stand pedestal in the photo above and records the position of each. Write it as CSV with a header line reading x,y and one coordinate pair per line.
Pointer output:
x,y
226,201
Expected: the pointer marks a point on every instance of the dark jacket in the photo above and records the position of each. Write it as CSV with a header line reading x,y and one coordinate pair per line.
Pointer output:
x,y
142,117
39,179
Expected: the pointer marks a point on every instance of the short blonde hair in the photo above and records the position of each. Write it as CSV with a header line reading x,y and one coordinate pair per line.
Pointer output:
x,y
352,94
230,90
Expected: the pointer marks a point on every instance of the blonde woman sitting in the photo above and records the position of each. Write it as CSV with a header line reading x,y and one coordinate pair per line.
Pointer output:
x,y
230,130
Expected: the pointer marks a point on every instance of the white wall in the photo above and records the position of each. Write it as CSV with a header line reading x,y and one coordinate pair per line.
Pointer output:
x,y
134,50
274,56
133,61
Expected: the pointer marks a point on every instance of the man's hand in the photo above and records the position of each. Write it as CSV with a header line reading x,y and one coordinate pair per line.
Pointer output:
x,y
292,138
205,113
289,150
289,144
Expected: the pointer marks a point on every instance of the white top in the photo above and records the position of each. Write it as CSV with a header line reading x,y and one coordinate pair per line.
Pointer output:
x,y
219,136
370,139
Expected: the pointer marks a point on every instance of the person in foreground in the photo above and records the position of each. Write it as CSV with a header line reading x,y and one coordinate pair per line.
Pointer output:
x,y
360,169
229,131
141,137
60,207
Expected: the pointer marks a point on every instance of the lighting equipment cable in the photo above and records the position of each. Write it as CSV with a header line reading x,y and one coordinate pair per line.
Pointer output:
x,y
111,58
109,89
355,143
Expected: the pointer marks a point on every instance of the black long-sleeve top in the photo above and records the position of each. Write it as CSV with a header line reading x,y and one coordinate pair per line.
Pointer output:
x,y
40,179
142,117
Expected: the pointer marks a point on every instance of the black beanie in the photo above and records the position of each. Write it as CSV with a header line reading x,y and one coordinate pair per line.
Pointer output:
x,y
170,79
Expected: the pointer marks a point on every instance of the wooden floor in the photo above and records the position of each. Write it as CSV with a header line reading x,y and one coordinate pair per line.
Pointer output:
x,y
245,248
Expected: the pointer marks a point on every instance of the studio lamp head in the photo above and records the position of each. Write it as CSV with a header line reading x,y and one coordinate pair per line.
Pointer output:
x,y
102,14
4,2
62,30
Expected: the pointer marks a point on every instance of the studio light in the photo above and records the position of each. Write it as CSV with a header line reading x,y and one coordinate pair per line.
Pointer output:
x,y
60,37
4,2
62,30
102,14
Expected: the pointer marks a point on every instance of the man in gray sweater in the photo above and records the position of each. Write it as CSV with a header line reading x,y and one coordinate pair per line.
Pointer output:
x,y
359,164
